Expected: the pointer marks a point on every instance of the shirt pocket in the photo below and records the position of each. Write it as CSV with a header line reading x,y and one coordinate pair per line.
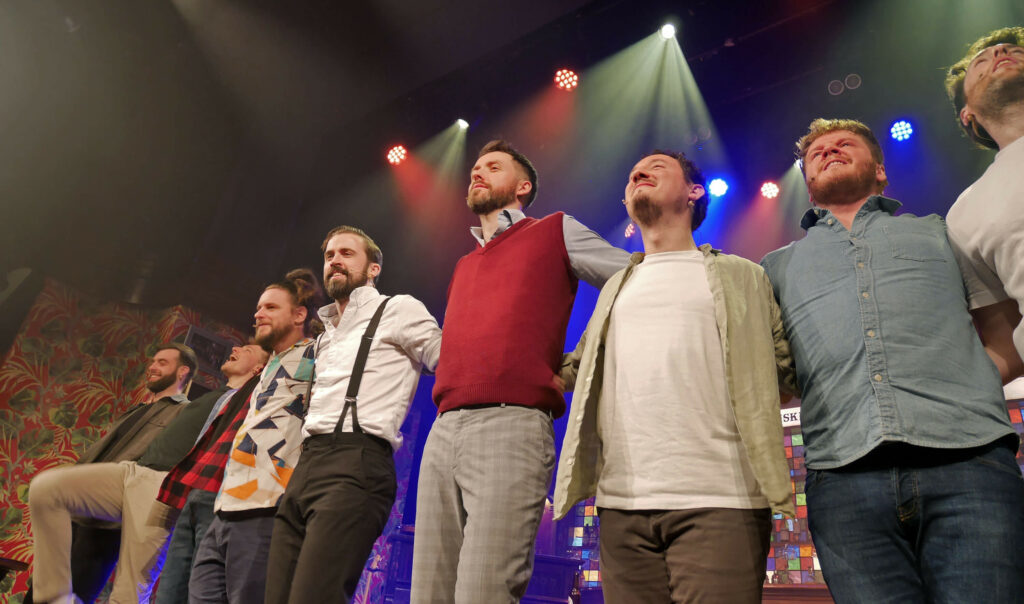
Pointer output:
x,y
912,242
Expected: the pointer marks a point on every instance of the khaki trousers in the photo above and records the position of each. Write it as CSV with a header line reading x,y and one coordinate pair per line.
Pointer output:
x,y
122,492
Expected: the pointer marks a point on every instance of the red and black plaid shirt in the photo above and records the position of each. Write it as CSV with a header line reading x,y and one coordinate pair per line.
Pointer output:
x,y
203,467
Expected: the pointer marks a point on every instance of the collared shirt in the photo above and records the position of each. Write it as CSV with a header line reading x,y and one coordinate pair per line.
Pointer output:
x,y
757,360
407,340
268,444
206,472
592,258
884,347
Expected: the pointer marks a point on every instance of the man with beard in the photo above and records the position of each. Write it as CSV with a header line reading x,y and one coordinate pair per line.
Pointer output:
x,y
115,481
497,388
679,362
230,562
190,487
913,492
986,224
368,362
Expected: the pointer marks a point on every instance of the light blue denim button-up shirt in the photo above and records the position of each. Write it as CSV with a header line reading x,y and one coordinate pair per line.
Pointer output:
x,y
884,347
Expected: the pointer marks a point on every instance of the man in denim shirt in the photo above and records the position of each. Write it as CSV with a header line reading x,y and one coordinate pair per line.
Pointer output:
x,y
913,493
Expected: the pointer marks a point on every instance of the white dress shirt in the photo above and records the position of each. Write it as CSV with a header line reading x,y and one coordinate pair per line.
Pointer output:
x,y
407,341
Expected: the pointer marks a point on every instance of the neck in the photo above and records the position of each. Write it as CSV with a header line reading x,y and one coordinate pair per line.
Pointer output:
x,y
174,389
237,381
288,341
845,212
1008,126
340,305
489,222
668,238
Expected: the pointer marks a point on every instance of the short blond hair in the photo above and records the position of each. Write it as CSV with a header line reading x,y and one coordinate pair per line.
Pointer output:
x,y
822,126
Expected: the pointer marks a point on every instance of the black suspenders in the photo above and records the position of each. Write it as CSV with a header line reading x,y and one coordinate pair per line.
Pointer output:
x,y
357,371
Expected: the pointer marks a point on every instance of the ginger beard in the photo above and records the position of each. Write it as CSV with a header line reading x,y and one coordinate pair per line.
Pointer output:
x,y
485,201
847,186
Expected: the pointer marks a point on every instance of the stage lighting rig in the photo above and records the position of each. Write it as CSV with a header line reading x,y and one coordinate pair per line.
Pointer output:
x,y
718,187
770,190
901,130
396,155
566,79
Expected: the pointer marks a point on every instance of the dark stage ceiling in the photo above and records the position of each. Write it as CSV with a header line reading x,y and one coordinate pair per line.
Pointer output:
x,y
190,151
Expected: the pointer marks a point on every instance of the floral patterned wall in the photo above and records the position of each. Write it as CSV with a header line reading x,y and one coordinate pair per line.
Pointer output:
x,y
75,365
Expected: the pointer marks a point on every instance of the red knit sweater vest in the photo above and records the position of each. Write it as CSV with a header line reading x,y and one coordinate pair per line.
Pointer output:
x,y
504,328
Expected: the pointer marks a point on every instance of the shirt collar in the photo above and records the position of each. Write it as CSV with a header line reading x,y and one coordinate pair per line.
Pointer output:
x,y
506,218
176,398
359,296
874,203
705,248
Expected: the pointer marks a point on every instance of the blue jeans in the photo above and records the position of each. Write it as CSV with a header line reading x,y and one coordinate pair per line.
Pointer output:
x,y
196,515
915,525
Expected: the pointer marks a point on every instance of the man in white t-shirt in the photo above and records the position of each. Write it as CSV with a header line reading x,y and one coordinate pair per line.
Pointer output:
x,y
986,224
675,423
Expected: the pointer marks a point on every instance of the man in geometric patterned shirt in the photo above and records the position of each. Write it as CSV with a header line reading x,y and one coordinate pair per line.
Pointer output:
x,y
231,561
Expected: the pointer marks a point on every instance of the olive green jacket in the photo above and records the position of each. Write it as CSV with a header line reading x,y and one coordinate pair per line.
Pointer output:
x,y
757,361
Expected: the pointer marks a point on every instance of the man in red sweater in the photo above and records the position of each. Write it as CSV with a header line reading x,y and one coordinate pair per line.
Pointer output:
x,y
488,460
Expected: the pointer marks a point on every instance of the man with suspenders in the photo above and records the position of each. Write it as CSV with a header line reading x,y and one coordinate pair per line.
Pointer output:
x,y
368,363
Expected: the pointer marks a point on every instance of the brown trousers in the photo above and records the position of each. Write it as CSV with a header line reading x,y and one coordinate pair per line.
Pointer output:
x,y
712,555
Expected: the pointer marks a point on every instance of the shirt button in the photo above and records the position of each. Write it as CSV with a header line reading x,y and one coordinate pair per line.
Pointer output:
x,y
871,333
878,377
865,295
860,265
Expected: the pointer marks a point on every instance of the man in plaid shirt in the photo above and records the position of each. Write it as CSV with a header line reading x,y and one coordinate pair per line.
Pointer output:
x,y
191,486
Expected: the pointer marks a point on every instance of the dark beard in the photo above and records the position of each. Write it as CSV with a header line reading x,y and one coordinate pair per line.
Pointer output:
x,y
1000,96
647,213
494,200
163,383
847,189
276,334
341,291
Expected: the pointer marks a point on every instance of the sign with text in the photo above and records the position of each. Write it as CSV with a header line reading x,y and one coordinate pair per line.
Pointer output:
x,y
791,417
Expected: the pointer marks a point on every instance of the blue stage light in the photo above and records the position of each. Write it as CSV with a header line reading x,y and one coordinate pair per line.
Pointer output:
x,y
718,187
901,130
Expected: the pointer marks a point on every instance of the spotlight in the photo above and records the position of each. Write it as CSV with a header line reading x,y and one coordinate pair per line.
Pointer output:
x,y
901,130
630,229
668,31
770,190
718,187
462,124
566,79
396,155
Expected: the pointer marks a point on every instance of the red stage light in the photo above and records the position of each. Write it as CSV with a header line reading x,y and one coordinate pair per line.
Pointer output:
x,y
770,190
396,155
630,229
566,79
